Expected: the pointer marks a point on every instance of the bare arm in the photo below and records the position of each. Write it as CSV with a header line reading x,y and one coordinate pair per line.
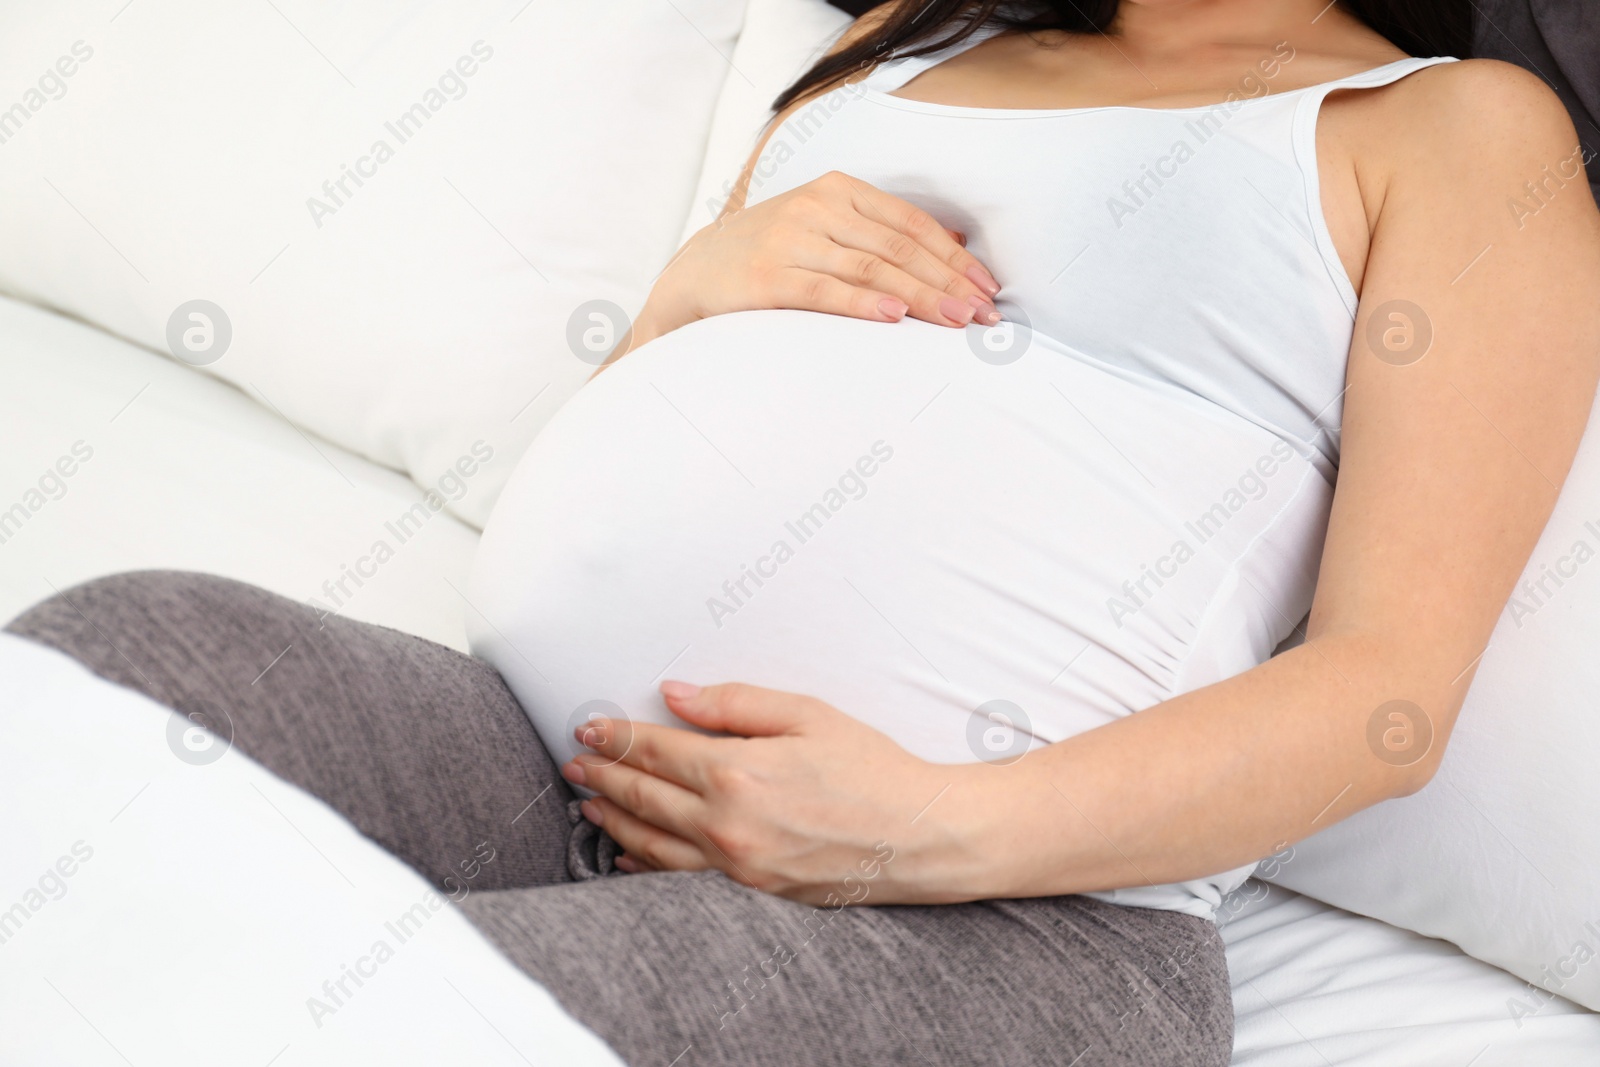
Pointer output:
x,y
1450,467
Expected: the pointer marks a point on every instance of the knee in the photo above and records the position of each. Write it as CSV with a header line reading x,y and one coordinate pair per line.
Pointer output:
x,y
154,631
112,600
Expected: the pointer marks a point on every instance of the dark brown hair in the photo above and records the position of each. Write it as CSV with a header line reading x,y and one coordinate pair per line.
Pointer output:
x,y
1417,27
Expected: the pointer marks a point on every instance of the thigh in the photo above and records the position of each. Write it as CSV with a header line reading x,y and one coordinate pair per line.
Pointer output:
x,y
421,747
694,970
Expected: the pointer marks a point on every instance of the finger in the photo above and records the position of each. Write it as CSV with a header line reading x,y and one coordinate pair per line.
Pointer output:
x,y
930,303
855,231
634,865
957,236
746,710
922,227
809,290
669,752
595,732
657,801
658,849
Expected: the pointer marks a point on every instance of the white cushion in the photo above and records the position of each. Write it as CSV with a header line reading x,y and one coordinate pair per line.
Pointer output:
x,y
780,40
548,162
1501,852
180,905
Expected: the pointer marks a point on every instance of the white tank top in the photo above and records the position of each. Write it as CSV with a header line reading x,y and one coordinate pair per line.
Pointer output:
x,y
1185,244
983,541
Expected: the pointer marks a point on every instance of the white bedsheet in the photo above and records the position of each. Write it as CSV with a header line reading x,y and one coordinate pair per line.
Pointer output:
x,y
214,914
1314,986
190,473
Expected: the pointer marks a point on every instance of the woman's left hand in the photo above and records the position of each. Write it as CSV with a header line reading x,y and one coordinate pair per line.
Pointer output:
x,y
804,802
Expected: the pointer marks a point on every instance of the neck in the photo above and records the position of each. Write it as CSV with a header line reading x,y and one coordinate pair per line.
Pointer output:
x,y
1158,29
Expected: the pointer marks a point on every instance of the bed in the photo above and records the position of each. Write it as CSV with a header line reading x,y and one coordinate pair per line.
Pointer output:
x,y
189,472
286,460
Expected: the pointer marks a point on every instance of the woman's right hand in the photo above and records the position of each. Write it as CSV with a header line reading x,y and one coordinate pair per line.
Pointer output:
x,y
835,245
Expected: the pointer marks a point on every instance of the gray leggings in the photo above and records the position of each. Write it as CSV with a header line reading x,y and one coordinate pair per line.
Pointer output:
x,y
426,752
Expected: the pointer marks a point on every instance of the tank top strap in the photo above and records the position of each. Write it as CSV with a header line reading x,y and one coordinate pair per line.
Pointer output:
x,y
1303,145
1387,74
892,73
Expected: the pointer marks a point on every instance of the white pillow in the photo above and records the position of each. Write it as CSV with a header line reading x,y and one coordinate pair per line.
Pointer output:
x,y
180,905
780,40
547,161
1501,852
185,472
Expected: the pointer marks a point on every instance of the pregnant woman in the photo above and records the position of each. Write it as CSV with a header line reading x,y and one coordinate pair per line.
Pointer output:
x,y
928,547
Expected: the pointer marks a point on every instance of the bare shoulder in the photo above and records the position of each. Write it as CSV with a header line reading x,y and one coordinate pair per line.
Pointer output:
x,y
1477,120
1451,139
1480,100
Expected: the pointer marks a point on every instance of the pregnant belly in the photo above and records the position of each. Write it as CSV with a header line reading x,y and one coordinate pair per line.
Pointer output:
x,y
975,557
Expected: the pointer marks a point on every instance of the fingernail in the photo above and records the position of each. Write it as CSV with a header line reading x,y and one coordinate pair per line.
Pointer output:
x,y
591,811
892,308
985,312
573,772
956,311
626,863
983,279
592,732
679,690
